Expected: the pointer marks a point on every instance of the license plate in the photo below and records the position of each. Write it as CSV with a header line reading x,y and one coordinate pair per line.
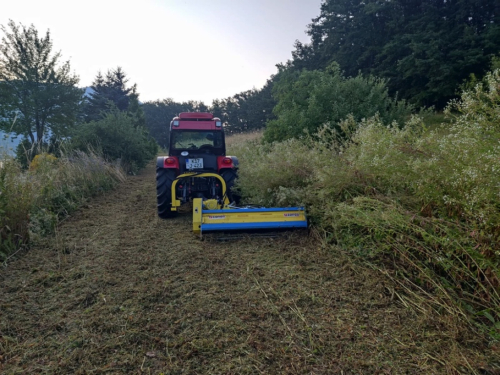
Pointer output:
x,y
194,163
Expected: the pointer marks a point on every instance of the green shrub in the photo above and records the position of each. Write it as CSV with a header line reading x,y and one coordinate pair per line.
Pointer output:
x,y
424,203
116,136
310,99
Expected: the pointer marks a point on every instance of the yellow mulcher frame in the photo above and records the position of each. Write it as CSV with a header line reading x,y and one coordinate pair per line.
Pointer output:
x,y
177,203
230,218
227,218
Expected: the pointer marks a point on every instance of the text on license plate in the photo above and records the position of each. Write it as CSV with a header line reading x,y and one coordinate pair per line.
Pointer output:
x,y
196,163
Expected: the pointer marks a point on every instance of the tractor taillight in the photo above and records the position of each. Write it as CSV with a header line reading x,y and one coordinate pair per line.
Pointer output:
x,y
227,161
170,161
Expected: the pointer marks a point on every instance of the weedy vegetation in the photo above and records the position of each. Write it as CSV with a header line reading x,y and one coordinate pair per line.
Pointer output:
x,y
33,201
240,138
421,205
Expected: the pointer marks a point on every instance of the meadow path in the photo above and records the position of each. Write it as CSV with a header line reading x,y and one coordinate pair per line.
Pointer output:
x,y
117,291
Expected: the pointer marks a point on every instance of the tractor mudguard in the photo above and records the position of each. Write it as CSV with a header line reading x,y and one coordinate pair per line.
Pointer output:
x,y
235,161
160,161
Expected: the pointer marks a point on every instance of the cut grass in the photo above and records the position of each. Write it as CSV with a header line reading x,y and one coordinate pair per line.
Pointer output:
x,y
119,291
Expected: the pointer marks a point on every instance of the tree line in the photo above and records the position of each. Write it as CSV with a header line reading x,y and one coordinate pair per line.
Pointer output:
x,y
405,55
246,111
368,57
425,49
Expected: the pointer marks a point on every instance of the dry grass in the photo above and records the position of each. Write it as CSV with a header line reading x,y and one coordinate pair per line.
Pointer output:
x,y
119,291
33,202
239,138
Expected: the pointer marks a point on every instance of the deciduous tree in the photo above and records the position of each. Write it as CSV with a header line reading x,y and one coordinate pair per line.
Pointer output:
x,y
309,99
38,94
425,49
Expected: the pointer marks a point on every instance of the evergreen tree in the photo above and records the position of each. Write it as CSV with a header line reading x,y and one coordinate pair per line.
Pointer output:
x,y
110,92
247,110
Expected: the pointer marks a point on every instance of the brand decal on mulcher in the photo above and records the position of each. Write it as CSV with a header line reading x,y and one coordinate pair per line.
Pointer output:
x,y
216,217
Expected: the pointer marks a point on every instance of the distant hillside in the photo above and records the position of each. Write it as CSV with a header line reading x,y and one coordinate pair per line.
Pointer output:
x,y
88,91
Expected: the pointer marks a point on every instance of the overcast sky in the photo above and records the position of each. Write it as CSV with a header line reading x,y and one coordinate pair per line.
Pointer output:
x,y
180,49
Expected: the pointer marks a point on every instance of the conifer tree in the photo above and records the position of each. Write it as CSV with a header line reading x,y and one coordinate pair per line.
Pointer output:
x,y
111,92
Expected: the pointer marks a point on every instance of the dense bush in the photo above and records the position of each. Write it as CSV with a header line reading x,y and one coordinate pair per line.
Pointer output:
x,y
32,202
26,151
310,99
116,136
425,201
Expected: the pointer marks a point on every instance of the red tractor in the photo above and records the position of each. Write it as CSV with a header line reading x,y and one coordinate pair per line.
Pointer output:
x,y
196,165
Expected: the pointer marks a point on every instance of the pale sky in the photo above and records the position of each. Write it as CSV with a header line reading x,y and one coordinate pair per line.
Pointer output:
x,y
179,49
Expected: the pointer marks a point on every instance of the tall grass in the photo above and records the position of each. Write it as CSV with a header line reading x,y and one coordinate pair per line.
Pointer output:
x,y
238,138
422,205
33,201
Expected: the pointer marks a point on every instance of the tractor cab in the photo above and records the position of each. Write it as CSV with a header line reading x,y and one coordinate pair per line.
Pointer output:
x,y
196,133
207,142
197,141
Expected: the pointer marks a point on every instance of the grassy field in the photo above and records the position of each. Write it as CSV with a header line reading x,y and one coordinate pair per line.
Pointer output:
x,y
117,290
398,273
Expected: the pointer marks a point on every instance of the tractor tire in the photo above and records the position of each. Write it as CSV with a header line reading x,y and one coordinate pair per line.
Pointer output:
x,y
164,179
229,176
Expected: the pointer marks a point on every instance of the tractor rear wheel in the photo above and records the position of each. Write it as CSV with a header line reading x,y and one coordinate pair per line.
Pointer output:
x,y
164,179
229,176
